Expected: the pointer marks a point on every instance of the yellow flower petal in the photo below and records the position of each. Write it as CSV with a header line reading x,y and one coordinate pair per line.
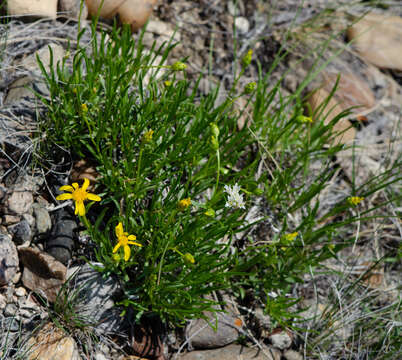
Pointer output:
x,y
116,247
127,252
66,188
85,185
75,185
64,196
134,243
119,230
131,237
80,208
93,197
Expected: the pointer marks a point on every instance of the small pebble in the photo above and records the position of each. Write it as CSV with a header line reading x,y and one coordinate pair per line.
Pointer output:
x,y
10,309
20,291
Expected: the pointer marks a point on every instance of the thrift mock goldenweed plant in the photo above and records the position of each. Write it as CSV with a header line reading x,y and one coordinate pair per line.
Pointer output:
x,y
175,170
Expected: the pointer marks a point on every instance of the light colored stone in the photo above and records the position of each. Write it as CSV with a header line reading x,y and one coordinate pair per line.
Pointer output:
x,y
377,38
10,219
163,29
40,8
201,336
20,291
242,25
8,260
51,343
281,340
42,272
233,352
19,89
31,63
43,221
19,202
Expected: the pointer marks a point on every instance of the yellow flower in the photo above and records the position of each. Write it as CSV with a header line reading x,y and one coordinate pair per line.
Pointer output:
x,y
168,83
210,212
84,108
79,195
148,136
184,203
189,258
290,237
124,240
355,200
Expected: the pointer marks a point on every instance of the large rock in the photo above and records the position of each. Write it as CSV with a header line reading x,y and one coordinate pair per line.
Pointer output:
x,y
72,8
95,298
8,260
377,38
51,343
36,8
233,352
43,221
42,273
201,336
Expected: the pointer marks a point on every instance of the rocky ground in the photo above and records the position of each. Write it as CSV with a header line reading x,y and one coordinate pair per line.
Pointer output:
x,y
41,242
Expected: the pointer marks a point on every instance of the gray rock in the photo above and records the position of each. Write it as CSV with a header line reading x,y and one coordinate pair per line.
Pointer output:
x,y
31,63
18,90
10,324
10,219
42,273
232,352
19,202
8,260
10,310
201,336
95,298
30,219
43,221
21,232
281,340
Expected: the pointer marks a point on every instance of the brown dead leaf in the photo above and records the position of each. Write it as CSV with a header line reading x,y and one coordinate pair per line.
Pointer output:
x,y
343,128
375,275
82,170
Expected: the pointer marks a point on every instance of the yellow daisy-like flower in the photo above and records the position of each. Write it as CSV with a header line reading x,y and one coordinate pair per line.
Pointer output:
x,y
148,136
84,108
124,240
290,237
184,203
79,195
355,200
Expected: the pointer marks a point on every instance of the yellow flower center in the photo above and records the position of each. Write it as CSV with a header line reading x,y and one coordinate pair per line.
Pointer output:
x,y
123,240
79,195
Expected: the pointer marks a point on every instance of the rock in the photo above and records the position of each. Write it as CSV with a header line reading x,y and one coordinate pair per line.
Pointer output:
x,y
61,240
20,291
31,63
343,130
292,355
21,232
10,219
8,260
3,302
201,336
10,324
281,339
29,219
242,25
146,341
10,310
51,343
377,39
132,12
42,273
94,298
352,91
43,221
36,8
72,8
19,89
232,352
19,202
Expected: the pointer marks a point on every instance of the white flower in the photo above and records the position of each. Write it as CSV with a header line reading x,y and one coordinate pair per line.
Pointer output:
x,y
235,200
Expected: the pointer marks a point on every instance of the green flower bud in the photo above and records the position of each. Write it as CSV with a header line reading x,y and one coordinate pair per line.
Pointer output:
x,y
249,88
214,142
210,212
188,258
178,66
214,129
247,58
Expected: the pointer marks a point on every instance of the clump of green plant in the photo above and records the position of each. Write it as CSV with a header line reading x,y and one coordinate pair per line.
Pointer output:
x,y
177,177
